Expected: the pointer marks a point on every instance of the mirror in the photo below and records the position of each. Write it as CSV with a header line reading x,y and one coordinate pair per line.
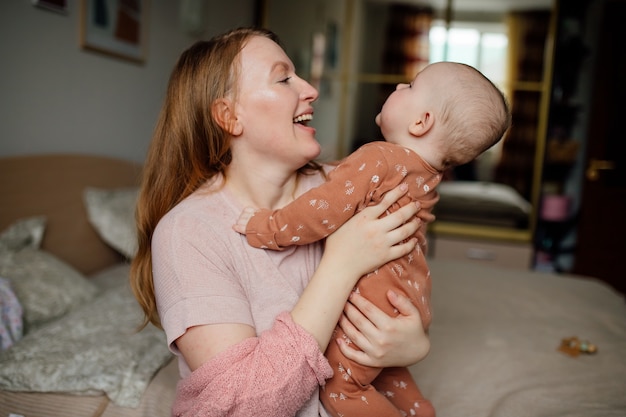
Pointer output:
x,y
356,51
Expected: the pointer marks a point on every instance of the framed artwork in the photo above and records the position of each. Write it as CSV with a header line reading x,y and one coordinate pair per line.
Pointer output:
x,y
54,5
115,27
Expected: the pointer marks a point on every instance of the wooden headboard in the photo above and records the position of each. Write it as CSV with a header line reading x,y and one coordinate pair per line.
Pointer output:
x,y
52,186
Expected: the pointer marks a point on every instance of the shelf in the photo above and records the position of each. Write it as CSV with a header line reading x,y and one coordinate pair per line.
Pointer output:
x,y
529,86
480,231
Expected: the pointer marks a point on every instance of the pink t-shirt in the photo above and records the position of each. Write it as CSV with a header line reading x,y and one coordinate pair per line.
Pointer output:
x,y
206,273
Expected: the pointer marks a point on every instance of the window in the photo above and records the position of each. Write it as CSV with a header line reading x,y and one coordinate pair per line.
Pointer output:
x,y
484,47
481,45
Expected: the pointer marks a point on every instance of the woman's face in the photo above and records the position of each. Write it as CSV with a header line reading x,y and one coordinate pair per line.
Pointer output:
x,y
274,107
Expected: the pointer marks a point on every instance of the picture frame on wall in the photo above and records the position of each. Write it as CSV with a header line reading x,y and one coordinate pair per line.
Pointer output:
x,y
115,27
59,6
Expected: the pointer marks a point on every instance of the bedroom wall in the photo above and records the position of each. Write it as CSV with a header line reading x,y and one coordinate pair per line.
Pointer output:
x,y
57,98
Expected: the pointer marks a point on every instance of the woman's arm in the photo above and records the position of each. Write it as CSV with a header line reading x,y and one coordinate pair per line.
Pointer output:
x,y
273,374
359,246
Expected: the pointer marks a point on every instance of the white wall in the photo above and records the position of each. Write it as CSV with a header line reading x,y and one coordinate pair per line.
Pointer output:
x,y
295,23
57,98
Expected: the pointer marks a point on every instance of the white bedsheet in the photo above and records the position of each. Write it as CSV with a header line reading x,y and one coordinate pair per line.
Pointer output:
x,y
495,336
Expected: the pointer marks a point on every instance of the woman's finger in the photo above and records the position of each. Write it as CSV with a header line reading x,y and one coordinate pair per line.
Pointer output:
x,y
364,312
353,354
404,305
389,198
399,232
355,345
399,217
354,323
362,322
355,338
426,216
359,323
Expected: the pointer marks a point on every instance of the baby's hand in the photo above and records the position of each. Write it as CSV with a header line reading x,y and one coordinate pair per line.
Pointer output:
x,y
243,220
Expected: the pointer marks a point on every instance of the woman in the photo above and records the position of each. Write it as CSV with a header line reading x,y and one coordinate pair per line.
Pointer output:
x,y
250,326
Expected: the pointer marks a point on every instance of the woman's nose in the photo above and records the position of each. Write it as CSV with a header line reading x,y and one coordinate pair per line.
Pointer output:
x,y
309,93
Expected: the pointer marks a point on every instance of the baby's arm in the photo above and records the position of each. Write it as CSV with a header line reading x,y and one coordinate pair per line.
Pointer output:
x,y
299,223
318,212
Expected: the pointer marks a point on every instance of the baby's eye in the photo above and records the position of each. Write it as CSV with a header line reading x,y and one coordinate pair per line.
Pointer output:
x,y
285,80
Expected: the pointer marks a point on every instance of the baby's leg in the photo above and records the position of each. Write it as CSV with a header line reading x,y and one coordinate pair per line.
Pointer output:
x,y
349,393
398,386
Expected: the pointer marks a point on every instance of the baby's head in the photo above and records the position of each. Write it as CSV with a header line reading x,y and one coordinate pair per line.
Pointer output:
x,y
473,112
450,114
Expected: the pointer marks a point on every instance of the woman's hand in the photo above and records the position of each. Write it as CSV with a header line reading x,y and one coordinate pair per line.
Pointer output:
x,y
361,245
367,241
385,341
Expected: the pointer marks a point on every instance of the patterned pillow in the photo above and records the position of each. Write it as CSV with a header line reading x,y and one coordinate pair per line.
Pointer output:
x,y
11,322
112,213
45,286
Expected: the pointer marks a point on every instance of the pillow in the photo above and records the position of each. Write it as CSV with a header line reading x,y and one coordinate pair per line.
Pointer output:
x,y
94,348
112,213
23,233
45,286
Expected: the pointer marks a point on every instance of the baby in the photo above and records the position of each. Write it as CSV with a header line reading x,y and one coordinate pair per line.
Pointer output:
x,y
447,116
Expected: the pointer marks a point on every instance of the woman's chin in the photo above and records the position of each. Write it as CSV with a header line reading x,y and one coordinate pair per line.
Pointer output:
x,y
316,152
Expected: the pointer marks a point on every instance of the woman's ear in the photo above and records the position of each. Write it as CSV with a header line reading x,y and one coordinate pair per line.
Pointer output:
x,y
422,124
223,112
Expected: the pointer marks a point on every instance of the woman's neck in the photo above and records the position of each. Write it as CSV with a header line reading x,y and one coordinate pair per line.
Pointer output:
x,y
261,188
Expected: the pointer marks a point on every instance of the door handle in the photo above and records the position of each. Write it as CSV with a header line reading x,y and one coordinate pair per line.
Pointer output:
x,y
597,165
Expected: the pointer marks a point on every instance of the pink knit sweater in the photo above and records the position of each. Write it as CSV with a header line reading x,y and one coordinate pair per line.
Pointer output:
x,y
257,377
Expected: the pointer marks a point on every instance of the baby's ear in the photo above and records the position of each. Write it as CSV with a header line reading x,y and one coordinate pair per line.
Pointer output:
x,y
223,112
422,124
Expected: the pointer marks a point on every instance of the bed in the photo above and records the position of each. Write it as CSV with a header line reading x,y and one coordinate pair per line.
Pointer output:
x,y
496,334
496,339
481,202
65,239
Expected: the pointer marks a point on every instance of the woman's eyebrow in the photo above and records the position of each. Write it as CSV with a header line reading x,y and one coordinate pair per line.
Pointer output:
x,y
280,65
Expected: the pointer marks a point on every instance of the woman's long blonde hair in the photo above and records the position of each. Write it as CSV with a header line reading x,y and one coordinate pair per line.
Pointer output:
x,y
188,145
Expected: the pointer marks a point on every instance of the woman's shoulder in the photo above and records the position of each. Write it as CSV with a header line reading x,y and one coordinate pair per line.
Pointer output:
x,y
207,208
